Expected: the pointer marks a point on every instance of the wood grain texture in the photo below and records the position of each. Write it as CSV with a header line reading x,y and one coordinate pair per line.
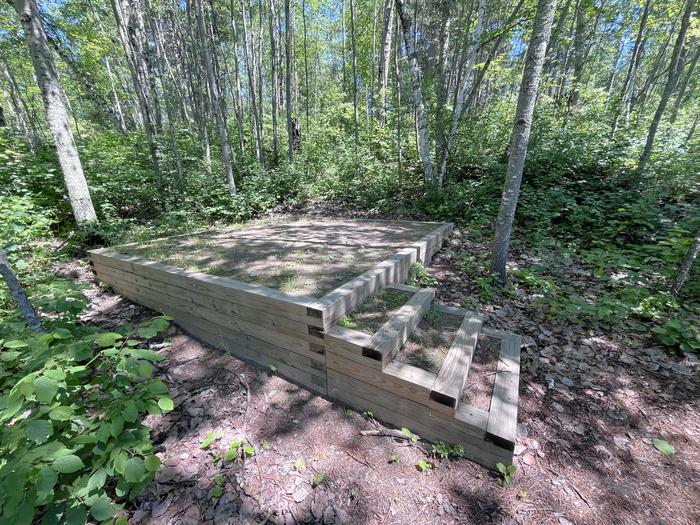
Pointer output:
x,y
448,386
503,413
401,412
391,336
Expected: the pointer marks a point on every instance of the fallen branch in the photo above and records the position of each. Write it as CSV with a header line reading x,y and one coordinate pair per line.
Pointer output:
x,y
388,432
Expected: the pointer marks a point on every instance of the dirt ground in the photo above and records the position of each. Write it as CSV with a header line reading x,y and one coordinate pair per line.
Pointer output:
x,y
297,256
591,403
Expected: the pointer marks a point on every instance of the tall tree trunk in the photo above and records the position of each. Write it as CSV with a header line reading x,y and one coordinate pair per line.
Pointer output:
x,y
441,88
463,91
306,66
354,79
625,94
345,45
289,31
217,99
128,38
683,86
56,113
385,58
397,73
674,71
250,61
273,72
421,117
521,134
19,294
686,265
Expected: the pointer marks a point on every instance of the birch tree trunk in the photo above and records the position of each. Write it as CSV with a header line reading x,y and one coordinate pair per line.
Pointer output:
x,y
138,75
462,93
521,134
19,294
631,70
354,79
683,86
273,74
217,100
289,30
686,265
421,117
387,34
674,71
56,113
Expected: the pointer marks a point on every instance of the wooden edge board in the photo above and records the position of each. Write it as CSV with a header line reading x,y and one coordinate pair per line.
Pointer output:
x,y
223,287
403,287
250,314
305,360
450,380
430,243
290,373
503,413
224,282
392,335
403,413
297,340
345,298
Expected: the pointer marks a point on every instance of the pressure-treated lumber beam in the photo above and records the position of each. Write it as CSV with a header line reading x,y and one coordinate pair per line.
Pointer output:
x,y
503,413
391,336
448,386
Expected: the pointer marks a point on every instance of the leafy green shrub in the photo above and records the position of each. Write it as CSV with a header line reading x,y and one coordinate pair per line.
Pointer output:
x,y
678,335
71,401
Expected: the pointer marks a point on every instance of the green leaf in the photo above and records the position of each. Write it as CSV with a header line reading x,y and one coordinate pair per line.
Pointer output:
x,y
102,508
219,479
134,470
149,355
232,452
318,479
144,369
39,430
47,480
166,404
76,515
664,447
97,480
68,464
61,413
209,438
9,356
130,412
217,492
152,463
107,339
45,389
157,387
16,343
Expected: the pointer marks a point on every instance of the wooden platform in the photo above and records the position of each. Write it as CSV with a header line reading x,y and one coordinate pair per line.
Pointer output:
x,y
296,335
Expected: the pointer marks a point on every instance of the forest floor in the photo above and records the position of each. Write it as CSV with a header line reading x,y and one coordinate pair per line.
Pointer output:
x,y
591,403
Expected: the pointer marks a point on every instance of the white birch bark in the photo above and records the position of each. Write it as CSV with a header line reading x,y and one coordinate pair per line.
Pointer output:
x,y
56,113
521,134
674,72
421,117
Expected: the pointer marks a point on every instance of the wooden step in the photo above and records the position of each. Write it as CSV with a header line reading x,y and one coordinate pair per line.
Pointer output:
x,y
386,341
449,384
503,413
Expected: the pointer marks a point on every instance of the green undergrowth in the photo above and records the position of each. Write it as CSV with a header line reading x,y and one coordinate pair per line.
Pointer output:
x,y
71,403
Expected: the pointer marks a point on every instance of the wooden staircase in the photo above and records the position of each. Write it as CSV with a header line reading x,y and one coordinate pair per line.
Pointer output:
x,y
362,372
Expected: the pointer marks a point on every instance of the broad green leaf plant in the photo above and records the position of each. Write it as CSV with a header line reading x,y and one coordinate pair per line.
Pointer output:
x,y
72,445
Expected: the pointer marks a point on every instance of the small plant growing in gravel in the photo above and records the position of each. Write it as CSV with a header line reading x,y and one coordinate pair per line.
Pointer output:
x,y
419,276
424,465
410,435
394,458
444,450
367,414
210,438
273,368
347,322
506,472
318,479
266,445
522,494
299,465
